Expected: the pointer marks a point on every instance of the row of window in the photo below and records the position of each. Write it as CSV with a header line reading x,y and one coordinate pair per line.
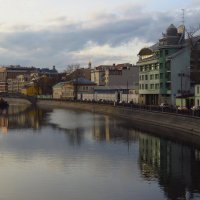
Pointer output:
x,y
155,86
150,67
151,76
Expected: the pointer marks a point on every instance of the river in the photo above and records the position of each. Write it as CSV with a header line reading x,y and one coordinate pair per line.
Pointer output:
x,y
59,154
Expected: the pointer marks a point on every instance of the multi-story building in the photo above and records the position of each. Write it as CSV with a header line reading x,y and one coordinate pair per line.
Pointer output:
x,y
98,74
10,79
74,89
125,75
164,68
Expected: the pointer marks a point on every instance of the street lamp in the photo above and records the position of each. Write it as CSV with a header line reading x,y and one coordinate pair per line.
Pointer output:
x,y
181,76
127,91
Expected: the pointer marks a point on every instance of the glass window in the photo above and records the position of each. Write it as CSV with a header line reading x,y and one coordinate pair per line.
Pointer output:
x,y
151,76
156,76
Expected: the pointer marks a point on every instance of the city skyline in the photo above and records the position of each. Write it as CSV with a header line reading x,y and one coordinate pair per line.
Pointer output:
x,y
46,33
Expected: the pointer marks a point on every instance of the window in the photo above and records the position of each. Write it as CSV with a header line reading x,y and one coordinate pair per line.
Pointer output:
x,y
152,86
166,52
146,86
161,75
151,76
146,77
156,76
197,89
157,86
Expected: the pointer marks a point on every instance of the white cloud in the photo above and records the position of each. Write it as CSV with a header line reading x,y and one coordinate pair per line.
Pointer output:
x,y
56,32
124,53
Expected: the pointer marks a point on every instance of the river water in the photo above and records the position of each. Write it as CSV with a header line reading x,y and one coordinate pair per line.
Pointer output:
x,y
58,154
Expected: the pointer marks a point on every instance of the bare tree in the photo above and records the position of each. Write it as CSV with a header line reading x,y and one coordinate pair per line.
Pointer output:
x,y
73,73
194,43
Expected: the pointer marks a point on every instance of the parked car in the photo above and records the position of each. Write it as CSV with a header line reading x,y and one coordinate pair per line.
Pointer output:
x,y
184,108
195,108
164,106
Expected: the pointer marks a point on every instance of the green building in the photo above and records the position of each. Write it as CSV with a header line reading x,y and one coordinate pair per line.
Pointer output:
x,y
164,70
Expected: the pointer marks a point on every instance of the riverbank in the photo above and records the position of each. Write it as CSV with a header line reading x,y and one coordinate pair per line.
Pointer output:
x,y
166,124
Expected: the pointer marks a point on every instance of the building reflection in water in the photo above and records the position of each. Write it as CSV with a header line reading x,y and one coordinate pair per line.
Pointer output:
x,y
174,165
106,129
19,117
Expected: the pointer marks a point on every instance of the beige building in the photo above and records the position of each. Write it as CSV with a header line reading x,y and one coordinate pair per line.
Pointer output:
x,y
197,95
58,90
12,77
74,89
98,74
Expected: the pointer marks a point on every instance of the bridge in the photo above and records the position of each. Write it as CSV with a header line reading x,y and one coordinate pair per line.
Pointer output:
x,y
31,99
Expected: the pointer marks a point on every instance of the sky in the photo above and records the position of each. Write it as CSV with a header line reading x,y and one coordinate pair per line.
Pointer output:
x,y
44,33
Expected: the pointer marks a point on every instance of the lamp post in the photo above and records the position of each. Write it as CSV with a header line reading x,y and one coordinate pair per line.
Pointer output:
x,y
181,76
127,91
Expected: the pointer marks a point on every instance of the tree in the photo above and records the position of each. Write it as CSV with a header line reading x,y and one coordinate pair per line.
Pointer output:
x,y
194,43
73,73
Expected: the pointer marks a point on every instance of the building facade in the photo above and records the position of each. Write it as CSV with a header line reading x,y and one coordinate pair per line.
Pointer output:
x,y
10,77
197,95
125,75
164,70
74,89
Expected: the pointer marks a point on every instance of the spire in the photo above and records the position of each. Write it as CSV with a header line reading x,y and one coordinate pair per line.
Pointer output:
x,y
89,64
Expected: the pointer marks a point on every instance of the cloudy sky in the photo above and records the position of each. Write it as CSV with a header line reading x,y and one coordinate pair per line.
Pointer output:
x,y
44,33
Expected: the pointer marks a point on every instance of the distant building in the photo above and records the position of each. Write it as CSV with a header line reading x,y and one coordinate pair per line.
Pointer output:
x,y
98,74
74,89
115,75
30,90
125,75
47,71
8,77
58,90
78,73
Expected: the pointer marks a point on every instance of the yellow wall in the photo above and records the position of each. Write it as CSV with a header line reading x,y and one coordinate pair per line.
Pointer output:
x,y
31,91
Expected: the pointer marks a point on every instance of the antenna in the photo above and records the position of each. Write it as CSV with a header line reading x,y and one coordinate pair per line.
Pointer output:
x,y
183,16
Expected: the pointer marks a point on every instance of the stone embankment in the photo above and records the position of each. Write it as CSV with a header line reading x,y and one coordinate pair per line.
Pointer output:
x,y
166,124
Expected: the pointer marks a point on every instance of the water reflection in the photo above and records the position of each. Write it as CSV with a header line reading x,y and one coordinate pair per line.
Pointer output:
x,y
89,144
175,166
20,117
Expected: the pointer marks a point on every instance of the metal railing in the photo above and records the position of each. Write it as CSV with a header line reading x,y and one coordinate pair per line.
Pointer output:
x,y
133,106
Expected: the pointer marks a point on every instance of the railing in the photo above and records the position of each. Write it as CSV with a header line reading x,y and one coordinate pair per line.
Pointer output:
x,y
133,106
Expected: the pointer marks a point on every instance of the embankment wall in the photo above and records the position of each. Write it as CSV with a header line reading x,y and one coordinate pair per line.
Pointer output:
x,y
172,125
